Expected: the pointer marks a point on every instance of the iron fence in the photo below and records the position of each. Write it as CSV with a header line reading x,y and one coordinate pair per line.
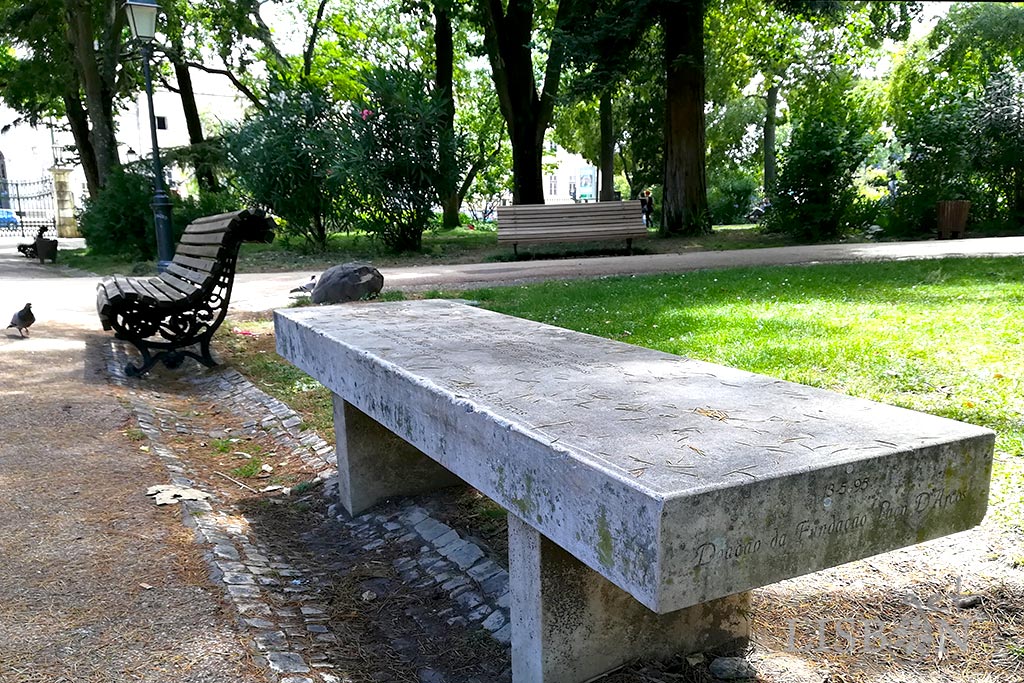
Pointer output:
x,y
34,206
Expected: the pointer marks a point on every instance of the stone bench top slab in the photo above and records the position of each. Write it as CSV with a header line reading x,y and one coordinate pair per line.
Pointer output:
x,y
656,470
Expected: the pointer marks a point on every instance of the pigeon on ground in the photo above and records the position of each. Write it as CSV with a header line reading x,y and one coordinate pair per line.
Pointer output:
x,y
306,288
22,320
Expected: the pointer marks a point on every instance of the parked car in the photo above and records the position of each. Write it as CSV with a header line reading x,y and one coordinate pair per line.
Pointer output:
x,y
9,219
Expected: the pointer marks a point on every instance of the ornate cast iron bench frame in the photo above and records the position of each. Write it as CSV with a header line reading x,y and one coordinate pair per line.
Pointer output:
x,y
184,305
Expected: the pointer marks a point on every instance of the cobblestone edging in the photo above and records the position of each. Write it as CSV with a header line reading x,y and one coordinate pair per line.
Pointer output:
x,y
477,586
258,411
284,639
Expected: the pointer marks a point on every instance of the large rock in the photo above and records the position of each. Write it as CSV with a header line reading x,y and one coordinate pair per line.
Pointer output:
x,y
347,282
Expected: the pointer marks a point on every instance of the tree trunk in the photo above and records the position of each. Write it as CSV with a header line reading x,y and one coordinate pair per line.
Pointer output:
x,y
508,34
771,104
79,122
527,157
205,177
479,164
634,192
450,205
98,93
319,236
685,202
607,149
444,69
314,35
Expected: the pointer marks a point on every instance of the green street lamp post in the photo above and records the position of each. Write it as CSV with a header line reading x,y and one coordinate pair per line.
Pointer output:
x,y
142,19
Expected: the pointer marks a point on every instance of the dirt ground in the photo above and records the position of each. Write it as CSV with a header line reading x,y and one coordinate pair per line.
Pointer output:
x,y
98,584
401,635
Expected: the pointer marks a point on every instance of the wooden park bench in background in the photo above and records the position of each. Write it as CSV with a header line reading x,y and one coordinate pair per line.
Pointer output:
x,y
646,492
185,304
539,223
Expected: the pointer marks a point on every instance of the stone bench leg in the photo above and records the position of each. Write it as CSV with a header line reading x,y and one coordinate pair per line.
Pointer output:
x,y
570,624
374,463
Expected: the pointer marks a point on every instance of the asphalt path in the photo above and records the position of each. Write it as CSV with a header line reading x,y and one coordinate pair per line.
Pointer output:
x,y
59,293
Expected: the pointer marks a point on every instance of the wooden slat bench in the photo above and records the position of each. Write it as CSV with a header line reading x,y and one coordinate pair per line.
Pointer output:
x,y
539,223
646,492
186,303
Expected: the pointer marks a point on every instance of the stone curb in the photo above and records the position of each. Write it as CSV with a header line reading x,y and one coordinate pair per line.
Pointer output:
x,y
437,557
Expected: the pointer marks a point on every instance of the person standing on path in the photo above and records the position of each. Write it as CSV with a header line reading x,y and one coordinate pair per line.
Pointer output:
x,y
647,207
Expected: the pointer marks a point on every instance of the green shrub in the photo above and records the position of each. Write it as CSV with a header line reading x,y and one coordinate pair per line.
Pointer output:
x,y
284,159
119,220
730,196
957,107
814,198
390,167
863,212
997,126
936,165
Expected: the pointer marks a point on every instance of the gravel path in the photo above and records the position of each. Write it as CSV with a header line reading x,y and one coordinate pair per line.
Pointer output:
x,y
99,586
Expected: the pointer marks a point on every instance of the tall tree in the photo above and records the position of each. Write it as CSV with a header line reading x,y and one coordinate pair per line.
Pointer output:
x,y
178,18
509,29
231,38
784,44
613,30
957,107
463,150
607,193
201,163
187,29
94,33
63,58
237,33
685,201
612,110
432,37
444,84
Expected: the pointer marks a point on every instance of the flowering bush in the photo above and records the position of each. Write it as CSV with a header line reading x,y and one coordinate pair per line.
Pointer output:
x,y
389,158
284,159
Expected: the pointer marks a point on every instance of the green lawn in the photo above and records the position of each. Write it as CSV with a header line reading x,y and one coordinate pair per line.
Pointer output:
x,y
940,336
944,337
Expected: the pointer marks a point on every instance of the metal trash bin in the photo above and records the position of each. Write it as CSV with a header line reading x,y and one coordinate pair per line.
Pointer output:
x,y
46,249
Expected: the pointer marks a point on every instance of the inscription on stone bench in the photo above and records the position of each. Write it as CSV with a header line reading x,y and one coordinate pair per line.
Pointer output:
x,y
708,553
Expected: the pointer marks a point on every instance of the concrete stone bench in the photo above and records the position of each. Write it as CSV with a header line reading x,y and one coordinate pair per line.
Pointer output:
x,y
647,492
